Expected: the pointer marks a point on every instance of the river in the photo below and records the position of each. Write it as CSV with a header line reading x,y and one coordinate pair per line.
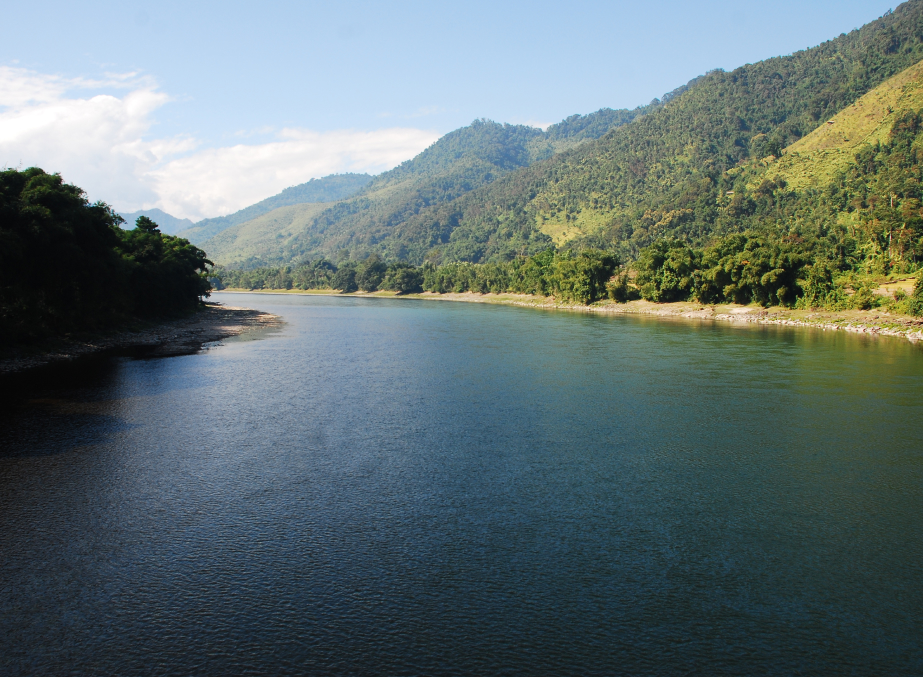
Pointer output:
x,y
410,487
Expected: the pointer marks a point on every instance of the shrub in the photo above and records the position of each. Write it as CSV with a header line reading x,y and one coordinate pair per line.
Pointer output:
x,y
915,306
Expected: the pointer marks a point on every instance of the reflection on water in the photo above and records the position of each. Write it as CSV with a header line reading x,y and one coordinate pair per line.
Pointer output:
x,y
413,487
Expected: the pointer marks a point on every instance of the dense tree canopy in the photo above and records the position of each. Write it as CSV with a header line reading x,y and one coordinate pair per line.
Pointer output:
x,y
66,265
579,278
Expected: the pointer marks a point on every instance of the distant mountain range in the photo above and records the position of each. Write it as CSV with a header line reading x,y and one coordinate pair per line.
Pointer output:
x,y
327,189
168,224
699,163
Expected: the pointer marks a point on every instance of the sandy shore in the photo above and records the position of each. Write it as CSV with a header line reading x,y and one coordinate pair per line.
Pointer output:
x,y
176,337
874,322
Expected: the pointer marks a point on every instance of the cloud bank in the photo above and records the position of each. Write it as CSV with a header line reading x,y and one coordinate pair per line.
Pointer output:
x,y
96,133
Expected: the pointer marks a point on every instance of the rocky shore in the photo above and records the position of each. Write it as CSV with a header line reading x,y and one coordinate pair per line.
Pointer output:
x,y
176,337
875,322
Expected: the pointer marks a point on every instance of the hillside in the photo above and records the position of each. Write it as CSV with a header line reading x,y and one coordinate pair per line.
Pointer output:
x,y
382,218
168,224
263,240
327,189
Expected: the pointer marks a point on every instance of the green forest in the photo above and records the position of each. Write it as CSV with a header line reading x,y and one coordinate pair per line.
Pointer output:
x,y
582,277
66,265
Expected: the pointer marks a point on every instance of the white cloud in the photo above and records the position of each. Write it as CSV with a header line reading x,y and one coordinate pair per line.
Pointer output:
x,y
537,124
222,180
100,142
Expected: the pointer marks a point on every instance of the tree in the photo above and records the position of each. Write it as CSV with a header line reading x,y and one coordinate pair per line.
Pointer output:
x,y
665,271
404,279
370,273
345,280
916,299
146,225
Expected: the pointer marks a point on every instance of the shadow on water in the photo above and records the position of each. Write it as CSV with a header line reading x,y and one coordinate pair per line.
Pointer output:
x,y
57,408
61,407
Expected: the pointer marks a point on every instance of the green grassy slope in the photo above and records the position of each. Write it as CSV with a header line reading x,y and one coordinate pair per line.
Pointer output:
x,y
817,159
327,189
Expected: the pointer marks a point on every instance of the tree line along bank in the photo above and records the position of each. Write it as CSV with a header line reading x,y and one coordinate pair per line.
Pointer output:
x,y
742,268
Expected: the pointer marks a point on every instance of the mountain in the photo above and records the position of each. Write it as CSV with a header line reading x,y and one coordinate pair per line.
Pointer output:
x,y
666,173
168,224
456,164
795,181
326,189
693,166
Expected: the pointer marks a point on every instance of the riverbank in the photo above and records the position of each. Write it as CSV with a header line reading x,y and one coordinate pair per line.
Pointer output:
x,y
874,322
176,337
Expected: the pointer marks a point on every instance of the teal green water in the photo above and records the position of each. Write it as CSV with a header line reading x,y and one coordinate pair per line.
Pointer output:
x,y
409,487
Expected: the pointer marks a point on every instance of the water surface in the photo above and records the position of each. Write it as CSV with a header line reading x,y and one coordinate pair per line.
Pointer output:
x,y
411,487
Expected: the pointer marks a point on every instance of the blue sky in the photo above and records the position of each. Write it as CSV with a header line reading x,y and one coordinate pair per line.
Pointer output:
x,y
277,93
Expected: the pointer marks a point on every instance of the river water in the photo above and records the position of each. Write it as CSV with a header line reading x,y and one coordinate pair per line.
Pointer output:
x,y
408,487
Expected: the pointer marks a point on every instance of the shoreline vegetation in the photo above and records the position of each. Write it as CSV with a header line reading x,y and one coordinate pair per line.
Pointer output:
x,y
876,322
185,336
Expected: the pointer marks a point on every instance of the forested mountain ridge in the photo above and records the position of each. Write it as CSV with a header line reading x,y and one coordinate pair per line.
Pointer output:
x,y
664,173
327,189
459,162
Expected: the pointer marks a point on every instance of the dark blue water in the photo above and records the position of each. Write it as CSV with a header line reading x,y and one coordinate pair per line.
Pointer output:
x,y
409,487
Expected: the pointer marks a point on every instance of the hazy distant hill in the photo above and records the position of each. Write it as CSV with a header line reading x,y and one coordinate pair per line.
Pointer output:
x,y
168,224
265,240
327,189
